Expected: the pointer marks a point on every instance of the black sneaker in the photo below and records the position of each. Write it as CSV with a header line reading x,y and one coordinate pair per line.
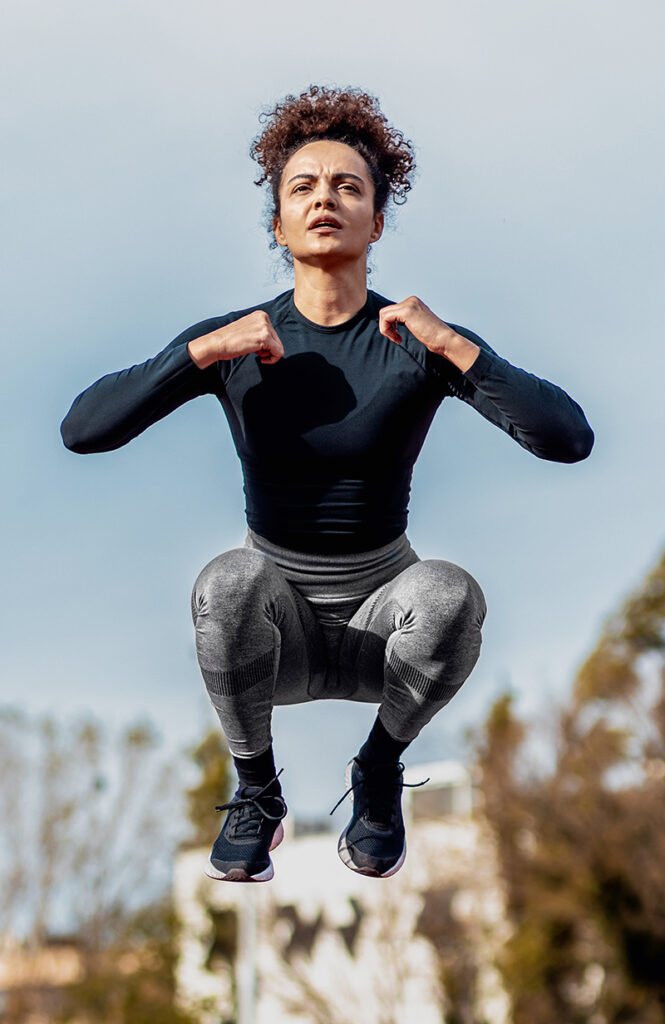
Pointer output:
x,y
374,841
253,828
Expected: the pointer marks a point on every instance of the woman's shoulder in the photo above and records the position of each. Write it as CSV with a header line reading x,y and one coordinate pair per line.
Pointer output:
x,y
376,301
273,307
438,369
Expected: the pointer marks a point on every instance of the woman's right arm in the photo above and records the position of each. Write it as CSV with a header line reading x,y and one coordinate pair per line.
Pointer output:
x,y
121,405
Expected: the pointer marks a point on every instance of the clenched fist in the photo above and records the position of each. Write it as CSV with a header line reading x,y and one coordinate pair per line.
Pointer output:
x,y
251,333
436,335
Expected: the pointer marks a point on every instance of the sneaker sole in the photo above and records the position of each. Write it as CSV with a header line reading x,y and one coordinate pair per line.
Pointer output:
x,y
346,859
345,853
239,874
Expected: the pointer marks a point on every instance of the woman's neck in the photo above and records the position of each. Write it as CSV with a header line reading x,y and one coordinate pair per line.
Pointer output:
x,y
330,297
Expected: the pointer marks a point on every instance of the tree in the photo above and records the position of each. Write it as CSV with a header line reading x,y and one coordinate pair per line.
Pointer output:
x,y
131,980
92,821
581,845
212,759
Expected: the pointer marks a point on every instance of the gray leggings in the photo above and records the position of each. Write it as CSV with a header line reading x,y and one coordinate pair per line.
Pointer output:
x,y
275,626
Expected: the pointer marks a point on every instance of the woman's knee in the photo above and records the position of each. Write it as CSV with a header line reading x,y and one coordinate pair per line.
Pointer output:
x,y
241,579
443,590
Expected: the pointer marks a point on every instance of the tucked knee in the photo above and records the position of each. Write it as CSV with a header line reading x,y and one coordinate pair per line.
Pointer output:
x,y
462,592
447,594
236,582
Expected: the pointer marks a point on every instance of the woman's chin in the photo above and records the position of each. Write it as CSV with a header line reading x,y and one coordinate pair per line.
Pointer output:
x,y
329,258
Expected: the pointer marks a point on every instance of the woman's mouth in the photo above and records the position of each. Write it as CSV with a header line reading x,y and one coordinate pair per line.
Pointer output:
x,y
325,224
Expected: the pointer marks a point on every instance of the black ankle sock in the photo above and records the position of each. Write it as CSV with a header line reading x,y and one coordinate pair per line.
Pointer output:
x,y
258,771
380,747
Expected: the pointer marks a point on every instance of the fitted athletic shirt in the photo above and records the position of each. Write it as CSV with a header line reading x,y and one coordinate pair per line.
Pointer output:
x,y
328,436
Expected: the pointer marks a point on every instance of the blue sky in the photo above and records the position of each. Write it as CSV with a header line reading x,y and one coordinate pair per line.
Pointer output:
x,y
129,213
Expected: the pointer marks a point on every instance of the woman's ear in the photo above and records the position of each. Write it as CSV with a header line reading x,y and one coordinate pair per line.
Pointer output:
x,y
377,230
280,237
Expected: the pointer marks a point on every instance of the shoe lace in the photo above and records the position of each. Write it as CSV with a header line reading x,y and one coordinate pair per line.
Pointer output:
x,y
247,810
382,789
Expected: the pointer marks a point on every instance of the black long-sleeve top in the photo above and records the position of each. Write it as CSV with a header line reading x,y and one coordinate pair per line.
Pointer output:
x,y
328,436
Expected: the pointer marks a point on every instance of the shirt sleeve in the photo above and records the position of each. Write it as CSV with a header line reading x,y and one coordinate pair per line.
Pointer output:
x,y
122,405
540,416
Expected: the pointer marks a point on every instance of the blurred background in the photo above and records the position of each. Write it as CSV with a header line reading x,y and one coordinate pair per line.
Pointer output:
x,y
129,212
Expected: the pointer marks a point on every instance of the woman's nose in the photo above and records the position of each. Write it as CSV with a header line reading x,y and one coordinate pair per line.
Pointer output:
x,y
324,199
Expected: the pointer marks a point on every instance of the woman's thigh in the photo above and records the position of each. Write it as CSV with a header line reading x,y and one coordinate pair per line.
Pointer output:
x,y
426,621
246,613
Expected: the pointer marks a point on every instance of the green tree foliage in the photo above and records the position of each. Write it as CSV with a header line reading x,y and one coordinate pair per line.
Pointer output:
x,y
582,844
213,762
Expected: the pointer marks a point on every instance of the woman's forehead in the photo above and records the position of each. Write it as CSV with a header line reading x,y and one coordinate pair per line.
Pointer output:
x,y
325,156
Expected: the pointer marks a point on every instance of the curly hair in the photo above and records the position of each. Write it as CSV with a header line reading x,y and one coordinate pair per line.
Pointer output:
x,y
341,115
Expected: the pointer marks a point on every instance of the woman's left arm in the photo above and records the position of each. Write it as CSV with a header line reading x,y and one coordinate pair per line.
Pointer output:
x,y
537,414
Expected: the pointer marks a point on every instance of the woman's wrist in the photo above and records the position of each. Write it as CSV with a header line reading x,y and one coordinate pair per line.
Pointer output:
x,y
203,351
458,350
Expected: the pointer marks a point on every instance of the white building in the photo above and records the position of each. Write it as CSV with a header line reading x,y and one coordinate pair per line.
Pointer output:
x,y
329,946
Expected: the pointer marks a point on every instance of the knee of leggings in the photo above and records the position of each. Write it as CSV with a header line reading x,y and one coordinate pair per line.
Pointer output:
x,y
235,582
446,588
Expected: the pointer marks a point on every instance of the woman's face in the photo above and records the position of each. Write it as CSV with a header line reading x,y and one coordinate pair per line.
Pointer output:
x,y
326,212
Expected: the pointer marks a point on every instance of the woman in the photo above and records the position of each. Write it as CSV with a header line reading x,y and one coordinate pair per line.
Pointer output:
x,y
329,391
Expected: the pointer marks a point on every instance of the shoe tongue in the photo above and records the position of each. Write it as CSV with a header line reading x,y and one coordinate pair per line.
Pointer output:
x,y
248,791
381,789
268,801
265,789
